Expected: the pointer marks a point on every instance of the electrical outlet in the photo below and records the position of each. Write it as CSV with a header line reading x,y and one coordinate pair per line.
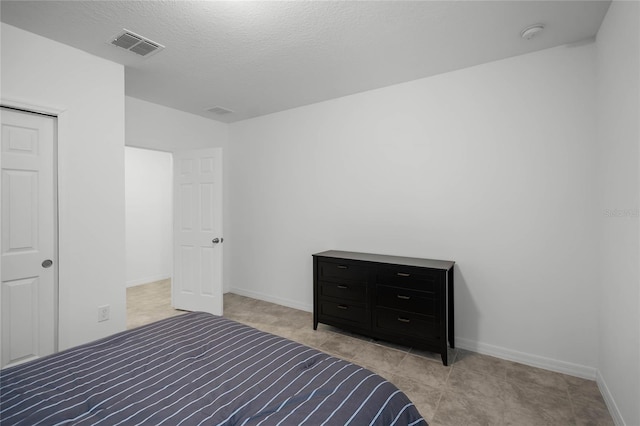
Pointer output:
x,y
103,313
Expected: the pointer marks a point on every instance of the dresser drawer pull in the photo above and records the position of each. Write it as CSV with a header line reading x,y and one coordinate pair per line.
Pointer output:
x,y
403,274
403,319
343,267
403,297
342,286
343,307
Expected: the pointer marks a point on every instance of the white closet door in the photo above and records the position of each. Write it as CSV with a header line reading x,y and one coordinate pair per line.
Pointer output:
x,y
28,296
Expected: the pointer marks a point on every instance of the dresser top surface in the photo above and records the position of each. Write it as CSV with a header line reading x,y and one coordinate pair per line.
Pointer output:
x,y
394,260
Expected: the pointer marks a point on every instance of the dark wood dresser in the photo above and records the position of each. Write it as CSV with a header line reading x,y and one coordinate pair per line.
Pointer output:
x,y
404,300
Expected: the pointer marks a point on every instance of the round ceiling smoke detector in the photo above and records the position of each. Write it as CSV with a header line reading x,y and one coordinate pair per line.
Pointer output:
x,y
532,31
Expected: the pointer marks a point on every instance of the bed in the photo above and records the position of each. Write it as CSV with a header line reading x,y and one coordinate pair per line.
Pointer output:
x,y
197,369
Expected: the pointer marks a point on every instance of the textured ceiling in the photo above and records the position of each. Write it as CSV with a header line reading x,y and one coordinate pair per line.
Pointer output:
x,y
256,58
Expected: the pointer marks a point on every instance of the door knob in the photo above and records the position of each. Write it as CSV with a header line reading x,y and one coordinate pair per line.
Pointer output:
x,y
47,263
217,240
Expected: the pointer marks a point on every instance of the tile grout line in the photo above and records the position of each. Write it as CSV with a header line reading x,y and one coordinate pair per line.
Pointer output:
x,y
573,406
444,389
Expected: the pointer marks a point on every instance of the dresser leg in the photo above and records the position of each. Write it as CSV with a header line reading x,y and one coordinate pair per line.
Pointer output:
x,y
444,356
451,319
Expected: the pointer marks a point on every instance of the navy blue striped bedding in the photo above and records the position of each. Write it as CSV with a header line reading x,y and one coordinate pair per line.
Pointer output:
x,y
198,369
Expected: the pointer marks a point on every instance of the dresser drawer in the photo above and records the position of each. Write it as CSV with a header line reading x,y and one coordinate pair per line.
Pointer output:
x,y
354,314
406,323
418,279
418,302
342,291
342,271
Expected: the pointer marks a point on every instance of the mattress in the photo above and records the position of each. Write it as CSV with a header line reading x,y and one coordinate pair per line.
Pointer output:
x,y
197,369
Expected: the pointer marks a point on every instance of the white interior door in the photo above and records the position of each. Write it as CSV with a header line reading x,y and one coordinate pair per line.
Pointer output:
x,y
28,296
197,264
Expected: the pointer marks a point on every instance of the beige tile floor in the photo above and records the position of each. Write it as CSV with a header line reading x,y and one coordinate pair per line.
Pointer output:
x,y
474,389
148,303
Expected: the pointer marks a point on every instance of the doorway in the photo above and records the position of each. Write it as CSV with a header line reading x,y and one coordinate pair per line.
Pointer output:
x,y
189,228
149,234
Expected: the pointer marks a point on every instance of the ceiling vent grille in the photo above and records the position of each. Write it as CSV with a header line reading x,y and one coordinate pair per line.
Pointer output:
x,y
136,43
219,110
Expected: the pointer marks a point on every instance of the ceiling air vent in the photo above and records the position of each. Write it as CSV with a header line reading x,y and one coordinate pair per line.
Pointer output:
x,y
219,110
136,43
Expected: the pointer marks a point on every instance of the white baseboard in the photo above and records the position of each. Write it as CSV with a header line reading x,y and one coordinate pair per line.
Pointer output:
x,y
268,298
147,280
528,359
609,401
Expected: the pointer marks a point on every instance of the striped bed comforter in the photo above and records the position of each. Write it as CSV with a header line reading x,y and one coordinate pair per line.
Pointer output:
x,y
197,369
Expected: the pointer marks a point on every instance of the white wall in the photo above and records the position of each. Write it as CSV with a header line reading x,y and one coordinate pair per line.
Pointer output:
x,y
161,128
490,166
148,213
90,90
618,50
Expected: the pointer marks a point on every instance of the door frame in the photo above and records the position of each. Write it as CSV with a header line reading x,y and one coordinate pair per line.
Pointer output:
x,y
60,127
